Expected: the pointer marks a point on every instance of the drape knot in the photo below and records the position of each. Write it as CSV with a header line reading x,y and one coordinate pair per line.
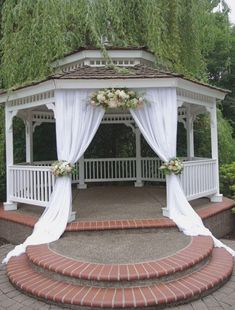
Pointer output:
x,y
62,168
173,166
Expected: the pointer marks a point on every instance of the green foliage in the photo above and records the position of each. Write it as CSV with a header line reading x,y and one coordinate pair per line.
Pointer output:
x,y
2,156
227,79
202,138
115,139
44,149
227,179
180,33
226,141
19,140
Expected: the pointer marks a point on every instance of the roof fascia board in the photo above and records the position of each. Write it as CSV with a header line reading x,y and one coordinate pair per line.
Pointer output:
x,y
28,91
201,89
106,83
115,83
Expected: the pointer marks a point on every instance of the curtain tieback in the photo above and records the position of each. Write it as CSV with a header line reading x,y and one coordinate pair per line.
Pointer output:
x,y
62,168
173,166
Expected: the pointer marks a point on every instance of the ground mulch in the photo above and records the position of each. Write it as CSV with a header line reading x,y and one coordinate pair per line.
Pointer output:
x,y
230,236
3,241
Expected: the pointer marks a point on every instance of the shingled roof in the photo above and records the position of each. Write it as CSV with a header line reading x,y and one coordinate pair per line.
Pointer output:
x,y
106,72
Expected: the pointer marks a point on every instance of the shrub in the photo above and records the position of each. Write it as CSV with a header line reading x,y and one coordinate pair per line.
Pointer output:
x,y
227,179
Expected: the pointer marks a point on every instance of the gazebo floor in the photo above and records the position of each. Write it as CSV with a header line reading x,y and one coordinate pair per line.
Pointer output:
x,y
118,207
117,203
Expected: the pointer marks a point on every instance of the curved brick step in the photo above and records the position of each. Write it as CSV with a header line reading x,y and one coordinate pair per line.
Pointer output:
x,y
59,267
184,289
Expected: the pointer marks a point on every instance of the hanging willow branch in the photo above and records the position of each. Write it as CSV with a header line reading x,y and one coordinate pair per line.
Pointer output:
x,y
35,32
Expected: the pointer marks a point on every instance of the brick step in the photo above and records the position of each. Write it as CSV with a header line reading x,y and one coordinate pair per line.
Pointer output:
x,y
59,267
182,290
120,224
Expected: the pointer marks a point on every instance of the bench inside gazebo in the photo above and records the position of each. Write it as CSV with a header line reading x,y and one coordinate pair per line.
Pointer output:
x,y
32,182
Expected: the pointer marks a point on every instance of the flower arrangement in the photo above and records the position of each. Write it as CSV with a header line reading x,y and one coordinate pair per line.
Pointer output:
x,y
61,168
175,165
111,98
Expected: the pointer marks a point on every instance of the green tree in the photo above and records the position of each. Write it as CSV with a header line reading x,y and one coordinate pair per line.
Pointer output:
x,y
180,33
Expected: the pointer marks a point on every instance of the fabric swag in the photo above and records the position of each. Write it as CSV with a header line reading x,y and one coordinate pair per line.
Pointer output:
x,y
157,121
76,125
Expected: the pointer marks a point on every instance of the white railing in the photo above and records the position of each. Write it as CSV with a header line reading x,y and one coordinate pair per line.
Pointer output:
x,y
34,184
150,169
198,178
31,184
109,169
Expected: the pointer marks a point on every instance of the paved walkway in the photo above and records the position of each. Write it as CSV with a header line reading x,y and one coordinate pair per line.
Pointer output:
x,y
12,299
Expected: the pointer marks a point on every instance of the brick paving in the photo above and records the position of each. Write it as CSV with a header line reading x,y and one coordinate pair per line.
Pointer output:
x,y
10,298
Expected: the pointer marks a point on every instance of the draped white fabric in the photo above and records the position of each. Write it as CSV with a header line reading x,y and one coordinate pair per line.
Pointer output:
x,y
157,121
76,125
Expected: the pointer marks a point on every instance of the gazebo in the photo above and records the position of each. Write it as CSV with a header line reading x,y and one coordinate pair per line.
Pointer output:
x,y
33,183
65,99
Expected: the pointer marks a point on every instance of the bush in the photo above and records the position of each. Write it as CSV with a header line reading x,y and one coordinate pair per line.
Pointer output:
x,y
227,180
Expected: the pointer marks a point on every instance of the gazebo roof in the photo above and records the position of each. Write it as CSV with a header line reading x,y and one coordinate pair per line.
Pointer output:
x,y
111,72
132,68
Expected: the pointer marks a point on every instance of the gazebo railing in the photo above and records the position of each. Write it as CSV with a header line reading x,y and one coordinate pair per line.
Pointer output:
x,y
34,184
109,169
198,178
31,184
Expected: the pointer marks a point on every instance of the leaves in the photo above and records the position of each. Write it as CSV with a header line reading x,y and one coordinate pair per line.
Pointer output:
x,y
181,33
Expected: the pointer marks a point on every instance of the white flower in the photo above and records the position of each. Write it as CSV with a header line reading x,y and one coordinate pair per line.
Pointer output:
x,y
68,168
112,104
113,98
100,97
120,103
110,95
123,95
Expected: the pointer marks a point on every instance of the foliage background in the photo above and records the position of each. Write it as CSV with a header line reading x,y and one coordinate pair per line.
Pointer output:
x,y
187,36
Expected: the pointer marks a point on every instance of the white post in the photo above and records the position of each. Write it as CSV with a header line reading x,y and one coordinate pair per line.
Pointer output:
x,y
138,182
81,172
214,152
29,139
9,205
190,133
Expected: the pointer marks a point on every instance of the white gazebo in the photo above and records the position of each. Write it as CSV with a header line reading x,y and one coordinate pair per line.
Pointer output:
x,y
32,182
63,98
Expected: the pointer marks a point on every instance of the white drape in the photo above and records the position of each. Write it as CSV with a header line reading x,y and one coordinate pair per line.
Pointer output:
x,y
157,121
76,125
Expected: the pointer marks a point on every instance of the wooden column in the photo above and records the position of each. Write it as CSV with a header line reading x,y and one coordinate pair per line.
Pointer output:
x,y
190,133
214,151
29,138
81,184
9,205
138,182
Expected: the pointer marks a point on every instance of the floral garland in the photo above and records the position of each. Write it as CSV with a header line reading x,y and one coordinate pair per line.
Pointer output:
x,y
175,165
111,98
61,168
